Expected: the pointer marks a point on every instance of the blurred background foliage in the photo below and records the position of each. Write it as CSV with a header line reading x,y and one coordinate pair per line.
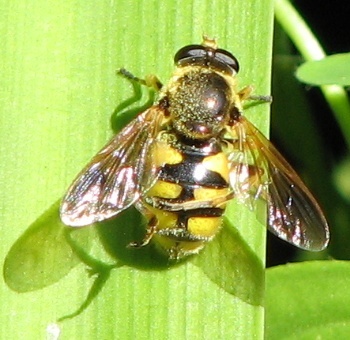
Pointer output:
x,y
305,130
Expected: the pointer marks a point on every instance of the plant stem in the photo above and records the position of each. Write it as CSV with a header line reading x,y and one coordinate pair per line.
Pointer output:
x,y
310,48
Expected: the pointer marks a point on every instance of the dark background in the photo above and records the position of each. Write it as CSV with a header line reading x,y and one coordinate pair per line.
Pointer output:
x,y
330,22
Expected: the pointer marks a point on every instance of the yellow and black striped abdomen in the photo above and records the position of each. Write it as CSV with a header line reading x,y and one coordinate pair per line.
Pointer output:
x,y
189,174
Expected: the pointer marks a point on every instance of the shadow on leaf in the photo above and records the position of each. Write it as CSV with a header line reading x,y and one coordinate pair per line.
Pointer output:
x,y
41,256
232,265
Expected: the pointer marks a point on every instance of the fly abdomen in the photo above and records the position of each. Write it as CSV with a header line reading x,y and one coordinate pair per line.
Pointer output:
x,y
189,174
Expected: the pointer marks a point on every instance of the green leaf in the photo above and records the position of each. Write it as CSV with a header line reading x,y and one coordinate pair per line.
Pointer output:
x,y
341,178
308,300
59,90
332,70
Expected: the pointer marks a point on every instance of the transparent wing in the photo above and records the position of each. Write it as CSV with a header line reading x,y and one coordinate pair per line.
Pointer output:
x,y
117,176
259,171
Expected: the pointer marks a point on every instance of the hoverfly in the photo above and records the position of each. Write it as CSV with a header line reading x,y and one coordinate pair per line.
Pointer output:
x,y
180,161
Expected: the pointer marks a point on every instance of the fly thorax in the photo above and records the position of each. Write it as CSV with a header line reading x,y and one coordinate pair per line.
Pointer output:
x,y
199,106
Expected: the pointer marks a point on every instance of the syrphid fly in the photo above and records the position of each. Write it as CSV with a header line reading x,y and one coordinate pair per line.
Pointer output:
x,y
180,161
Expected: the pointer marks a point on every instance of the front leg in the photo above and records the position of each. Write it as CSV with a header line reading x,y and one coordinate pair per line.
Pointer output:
x,y
151,80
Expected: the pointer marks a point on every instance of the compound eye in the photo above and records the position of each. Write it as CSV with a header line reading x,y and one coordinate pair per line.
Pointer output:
x,y
202,55
227,58
190,53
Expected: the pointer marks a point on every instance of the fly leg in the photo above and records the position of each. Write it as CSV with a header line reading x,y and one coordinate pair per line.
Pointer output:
x,y
149,81
159,203
246,94
150,231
